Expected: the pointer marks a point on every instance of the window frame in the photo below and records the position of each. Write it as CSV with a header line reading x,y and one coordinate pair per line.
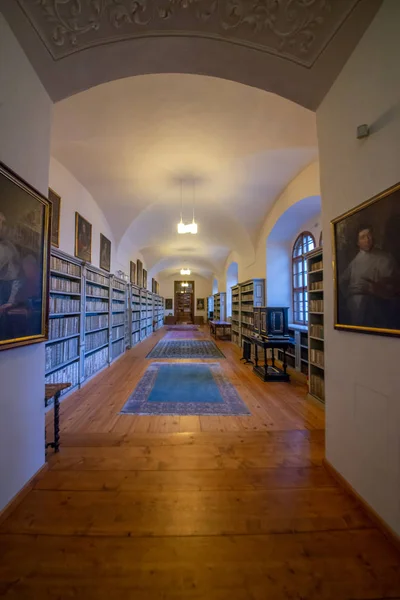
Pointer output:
x,y
299,292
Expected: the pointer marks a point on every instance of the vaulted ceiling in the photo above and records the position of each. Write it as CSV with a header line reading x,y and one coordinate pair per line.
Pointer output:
x,y
217,94
234,148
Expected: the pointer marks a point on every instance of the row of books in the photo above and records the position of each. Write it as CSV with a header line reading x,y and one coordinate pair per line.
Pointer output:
x,y
60,304
118,332
316,285
248,298
317,357
119,285
117,306
59,328
317,330
95,340
94,290
95,361
117,348
97,278
317,386
317,266
316,306
118,318
69,374
247,331
117,295
57,354
63,266
247,319
61,284
247,288
96,305
95,322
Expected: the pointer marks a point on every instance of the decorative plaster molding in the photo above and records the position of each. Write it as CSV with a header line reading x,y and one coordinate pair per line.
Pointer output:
x,y
297,30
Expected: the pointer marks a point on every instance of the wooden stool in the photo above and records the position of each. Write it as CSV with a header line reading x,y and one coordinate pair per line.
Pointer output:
x,y
54,390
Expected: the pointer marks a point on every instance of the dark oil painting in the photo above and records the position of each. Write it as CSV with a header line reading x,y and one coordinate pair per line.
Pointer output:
x,y
83,238
55,218
367,266
133,272
24,250
105,253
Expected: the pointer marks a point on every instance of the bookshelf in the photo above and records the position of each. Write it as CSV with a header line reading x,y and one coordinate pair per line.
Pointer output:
x,y
297,353
97,304
210,308
94,317
117,316
135,312
63,348
245,296
235,314
315,289
219,306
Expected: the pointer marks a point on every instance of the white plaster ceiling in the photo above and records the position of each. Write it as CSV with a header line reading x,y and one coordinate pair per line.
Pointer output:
x,y
131,142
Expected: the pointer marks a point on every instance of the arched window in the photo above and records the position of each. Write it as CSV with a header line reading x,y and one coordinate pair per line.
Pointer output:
x,y
304,243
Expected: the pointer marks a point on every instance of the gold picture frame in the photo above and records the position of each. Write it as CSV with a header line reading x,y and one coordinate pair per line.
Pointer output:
x,y
366,266
105,253
83,238
55,200
25,223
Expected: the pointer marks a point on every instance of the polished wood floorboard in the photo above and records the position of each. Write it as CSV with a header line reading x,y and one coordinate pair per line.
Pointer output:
x,y
189,507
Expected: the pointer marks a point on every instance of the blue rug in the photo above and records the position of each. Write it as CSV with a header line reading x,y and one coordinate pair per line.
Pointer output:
x,y
185,389
185,349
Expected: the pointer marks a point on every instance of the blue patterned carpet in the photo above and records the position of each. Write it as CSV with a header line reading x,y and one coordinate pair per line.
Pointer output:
x,y
185,389
185,349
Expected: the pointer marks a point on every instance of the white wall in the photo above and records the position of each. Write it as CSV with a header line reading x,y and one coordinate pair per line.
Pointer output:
x,y
362,371
202,289
24,147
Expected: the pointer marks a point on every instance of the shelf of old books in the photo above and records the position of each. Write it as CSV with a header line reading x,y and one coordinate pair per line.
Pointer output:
x,y
250,293
235,314
315,289
135,312
143,314
62,352
97,304
118,311
149,315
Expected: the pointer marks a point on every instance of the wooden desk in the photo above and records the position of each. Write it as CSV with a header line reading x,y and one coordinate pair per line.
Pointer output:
x,y
270,372
53,390
215,325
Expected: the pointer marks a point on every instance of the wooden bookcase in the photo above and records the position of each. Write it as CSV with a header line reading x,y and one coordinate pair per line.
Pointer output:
x,y
219,306
94,317
245,296
64,346
297,353
315,288
235,314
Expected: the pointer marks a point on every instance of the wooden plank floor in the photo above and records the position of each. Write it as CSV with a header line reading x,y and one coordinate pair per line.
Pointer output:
x,y
176,508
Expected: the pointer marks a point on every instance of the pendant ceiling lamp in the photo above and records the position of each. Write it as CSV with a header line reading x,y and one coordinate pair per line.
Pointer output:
x,y
184,284
189,227
185,271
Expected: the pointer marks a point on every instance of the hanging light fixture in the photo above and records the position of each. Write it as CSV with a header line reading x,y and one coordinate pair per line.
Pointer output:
x,y
184,284
190,227
185,271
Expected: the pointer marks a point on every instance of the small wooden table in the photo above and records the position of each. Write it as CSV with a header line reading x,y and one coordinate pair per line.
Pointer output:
x,y
271,372
215,325
53,390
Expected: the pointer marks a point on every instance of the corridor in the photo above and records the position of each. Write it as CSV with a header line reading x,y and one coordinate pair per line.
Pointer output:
x,y
191,507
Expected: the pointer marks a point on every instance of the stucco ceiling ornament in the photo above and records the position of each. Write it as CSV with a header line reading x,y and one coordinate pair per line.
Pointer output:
x,y
295,29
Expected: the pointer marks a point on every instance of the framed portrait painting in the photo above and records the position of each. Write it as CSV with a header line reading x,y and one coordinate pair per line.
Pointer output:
x,y
105,253
25,227
145,279
83,238
200,305
139,273
132,271
168,303
367,266
55,200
